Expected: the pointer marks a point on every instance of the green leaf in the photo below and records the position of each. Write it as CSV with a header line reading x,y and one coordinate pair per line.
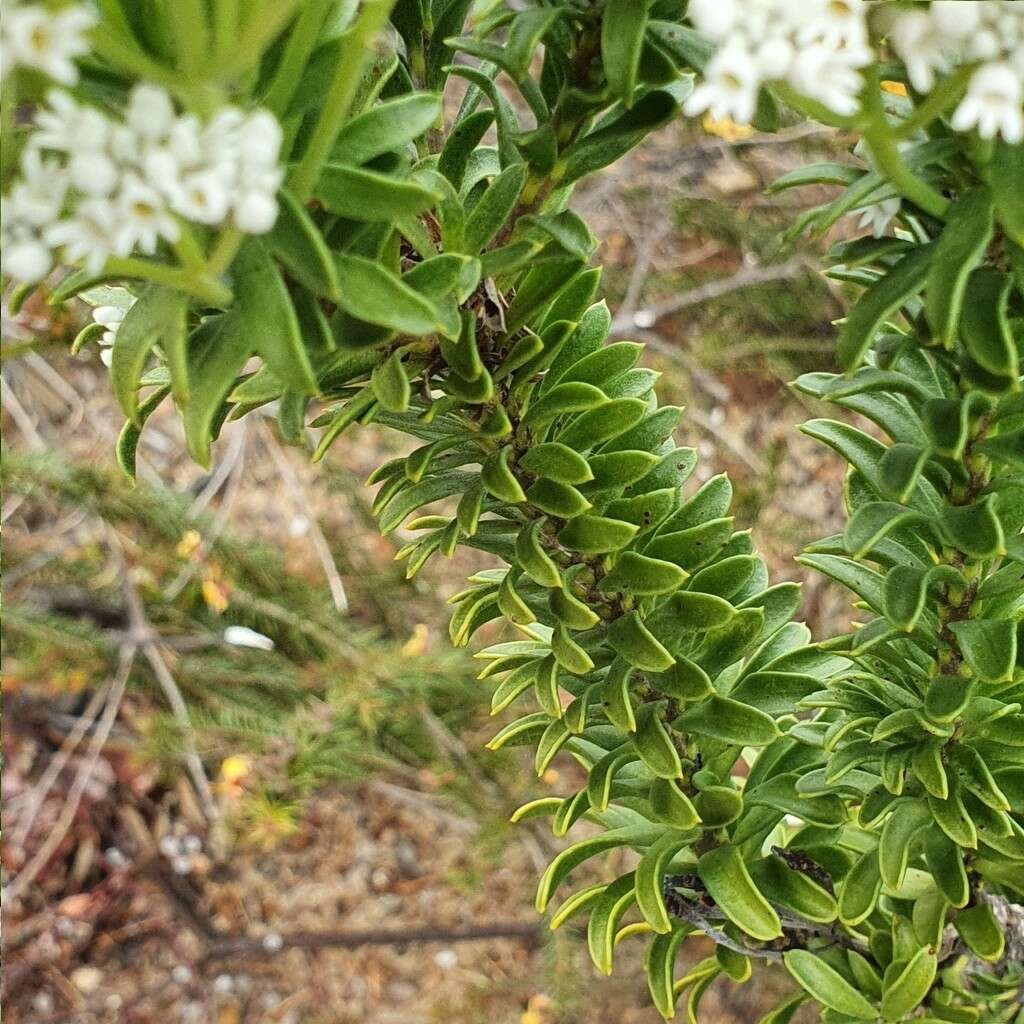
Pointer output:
x,y
904,992
131,432
492,209
570,610
879,303
685,680
729,721
980,930
462,140
390,384
860,889
953,818
946,865
533,559
907,819
634,641
962,242
650,877
660,969
640,575
984,325
217,351
362,195
623,26
563,400
371,292
794,890
989,646
557,499
654,744
1007,177
729,884
609,909
718,806
873,521
671,805
578,853
827,986
899,469
554,461
604,365
595,535
499,480
974,529
606,144
296,241
158,315
386,127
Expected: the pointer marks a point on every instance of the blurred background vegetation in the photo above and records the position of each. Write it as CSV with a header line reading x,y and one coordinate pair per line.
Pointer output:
x,y
233,730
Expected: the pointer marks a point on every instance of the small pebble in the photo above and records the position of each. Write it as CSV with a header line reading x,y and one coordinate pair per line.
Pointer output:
x,y
446,959
181,975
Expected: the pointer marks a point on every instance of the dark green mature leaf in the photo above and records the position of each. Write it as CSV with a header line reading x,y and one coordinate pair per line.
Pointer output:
x,y
879,303
363,195
984,324
827,986
960,246
989,647
157,315
372,293
217,351
493,208
728,881
729,721
1007,187
623,26
296,241
266,313
388,126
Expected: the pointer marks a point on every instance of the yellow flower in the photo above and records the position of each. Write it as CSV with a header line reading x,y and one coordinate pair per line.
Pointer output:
x,y
215,596
417,642
726,129
896,88
190,540
234,768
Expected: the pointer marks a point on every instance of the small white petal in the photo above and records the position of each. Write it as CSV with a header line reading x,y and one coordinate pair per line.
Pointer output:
x,y
255,213
27,261
242,636
150,112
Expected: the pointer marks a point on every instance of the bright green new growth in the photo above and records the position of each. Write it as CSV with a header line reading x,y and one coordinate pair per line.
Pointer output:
x,y
851,808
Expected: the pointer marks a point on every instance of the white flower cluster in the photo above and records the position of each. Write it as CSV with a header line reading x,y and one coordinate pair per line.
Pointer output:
x,y
109,318
96,187
37,37
817,47
948,33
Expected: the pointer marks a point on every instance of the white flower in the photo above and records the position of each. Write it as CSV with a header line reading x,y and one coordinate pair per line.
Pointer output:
x,y
185,140
109,317
993,104
255,213
827,76
878,216
202,197
774,57
87,235
143,218
259,139
38,197
729,88
93,173
716,19
956,19
27,260
835,23
46,40
150,112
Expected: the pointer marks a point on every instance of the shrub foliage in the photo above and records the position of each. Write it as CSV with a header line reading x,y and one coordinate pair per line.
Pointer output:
x,y
851,807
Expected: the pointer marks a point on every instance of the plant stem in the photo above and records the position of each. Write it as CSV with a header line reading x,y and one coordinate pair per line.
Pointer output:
x,y
126,56
884,146
352,61
300,45
203,287
938,101
224,251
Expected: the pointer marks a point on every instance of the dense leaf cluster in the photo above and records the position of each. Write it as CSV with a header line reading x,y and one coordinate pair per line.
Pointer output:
x,y
851,807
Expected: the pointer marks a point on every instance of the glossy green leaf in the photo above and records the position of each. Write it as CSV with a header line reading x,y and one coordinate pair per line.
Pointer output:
x,y
827,986
729,721
725,875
